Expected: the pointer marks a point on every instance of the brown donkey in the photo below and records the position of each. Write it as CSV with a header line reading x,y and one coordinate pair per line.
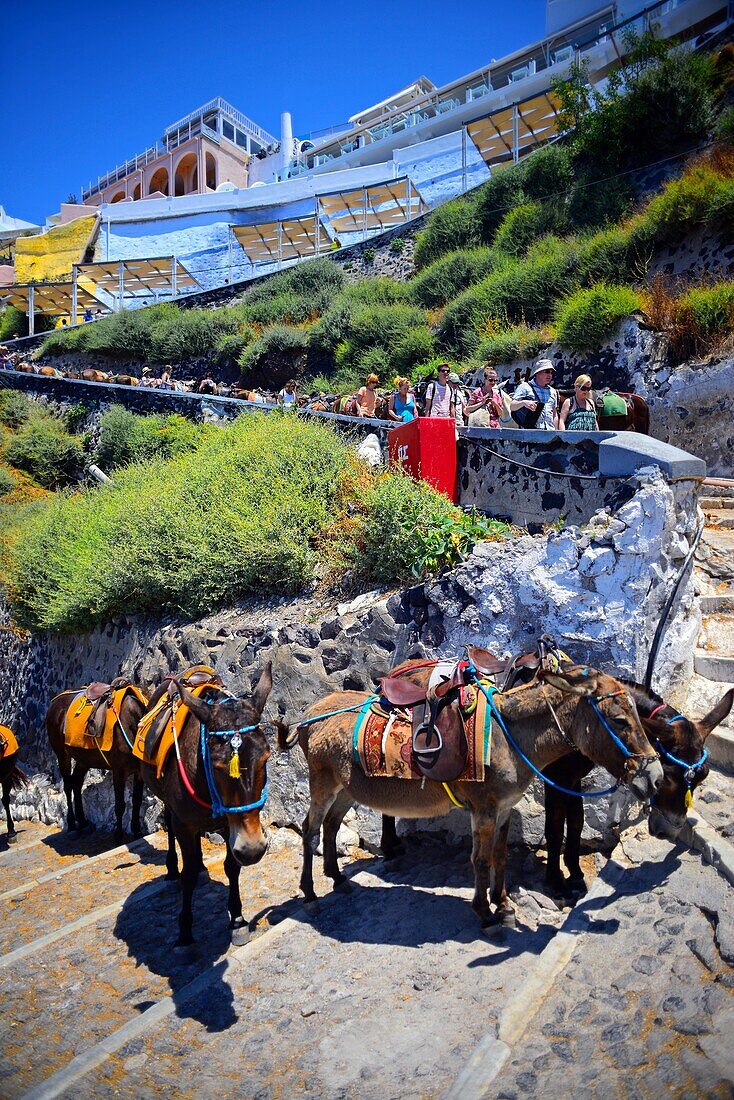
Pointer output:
x,y
119,759
203,792
596,712
12,777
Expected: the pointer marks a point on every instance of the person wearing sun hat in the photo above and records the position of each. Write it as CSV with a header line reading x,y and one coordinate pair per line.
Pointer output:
x,y
535,402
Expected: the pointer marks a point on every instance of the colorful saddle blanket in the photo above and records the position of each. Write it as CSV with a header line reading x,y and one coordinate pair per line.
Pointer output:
x,y
78,734
155,734
383,739
8,742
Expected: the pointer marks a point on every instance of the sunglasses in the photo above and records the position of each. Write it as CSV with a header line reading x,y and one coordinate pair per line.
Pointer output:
x,y
583,387
443,372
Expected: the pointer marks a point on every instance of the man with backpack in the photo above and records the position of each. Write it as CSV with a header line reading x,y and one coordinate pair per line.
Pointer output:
x,y
535,402
444,397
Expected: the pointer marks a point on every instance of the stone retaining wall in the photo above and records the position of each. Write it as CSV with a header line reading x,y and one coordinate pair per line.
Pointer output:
x,y
599,590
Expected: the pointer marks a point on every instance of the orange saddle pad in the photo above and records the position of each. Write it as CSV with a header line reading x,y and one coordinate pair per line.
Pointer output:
x,y
8,742
77,718
178,713
383,743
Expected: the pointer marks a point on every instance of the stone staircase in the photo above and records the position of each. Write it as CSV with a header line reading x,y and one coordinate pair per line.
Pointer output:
x,y
714,655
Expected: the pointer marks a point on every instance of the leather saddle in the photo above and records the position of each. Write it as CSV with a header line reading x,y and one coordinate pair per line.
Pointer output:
x,y
101,695
192,678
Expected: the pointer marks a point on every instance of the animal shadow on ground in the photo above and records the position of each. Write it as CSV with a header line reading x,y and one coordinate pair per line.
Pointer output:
x,y
96,843
148,926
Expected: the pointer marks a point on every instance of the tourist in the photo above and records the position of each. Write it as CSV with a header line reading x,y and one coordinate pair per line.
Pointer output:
x,y
578,413
401,406
535,402
487,397
207,385
367,396
444,397
165,382
88,315
287,396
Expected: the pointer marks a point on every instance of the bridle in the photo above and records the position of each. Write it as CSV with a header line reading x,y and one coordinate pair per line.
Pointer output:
x,y
689,770
235,738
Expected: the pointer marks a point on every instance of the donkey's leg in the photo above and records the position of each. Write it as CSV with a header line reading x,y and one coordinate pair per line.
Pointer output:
x,y
483,830
238,924
77,781
555,817
137,802
332,821
65,767
7,784
498,894
324,789
172,871
572,851
390,842
118,784
186,838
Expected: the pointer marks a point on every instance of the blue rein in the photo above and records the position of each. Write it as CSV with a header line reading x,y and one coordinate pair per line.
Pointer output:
x,y
235,738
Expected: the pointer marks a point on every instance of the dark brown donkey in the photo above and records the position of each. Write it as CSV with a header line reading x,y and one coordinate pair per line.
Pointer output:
x,y
680,742
218,730
11,777
596,712
119,760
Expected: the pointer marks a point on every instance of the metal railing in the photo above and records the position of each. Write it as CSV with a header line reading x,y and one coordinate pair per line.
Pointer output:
x,y
226,108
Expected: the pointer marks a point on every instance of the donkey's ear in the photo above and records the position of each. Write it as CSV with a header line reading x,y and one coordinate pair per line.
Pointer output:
x,y
197,706
263,688
717,715
578,679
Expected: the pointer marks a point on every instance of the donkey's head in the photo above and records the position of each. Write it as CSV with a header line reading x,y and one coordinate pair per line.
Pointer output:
x,y
238,753
607,728
681,744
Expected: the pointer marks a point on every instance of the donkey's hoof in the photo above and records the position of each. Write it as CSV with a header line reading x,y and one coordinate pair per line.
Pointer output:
x,y
11,838
312,907
172,876
344,886
185,952
240,933
577,885
500,919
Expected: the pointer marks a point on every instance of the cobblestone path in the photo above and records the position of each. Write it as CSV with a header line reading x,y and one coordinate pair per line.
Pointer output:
x,y
385,991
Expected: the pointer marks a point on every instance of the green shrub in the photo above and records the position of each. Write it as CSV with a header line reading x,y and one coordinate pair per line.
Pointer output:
x,y
230,345
416,346
287,308
521,291
177,335
707,311
46,452
701,197
74,417
379,326
587,317
7,481
373,361
125,437
725,126
397,246
409,528
305,280
375,291
523,225
450,226
548,173
517,342
442,280
15,408
12,323
332,328
369,255
279,349
495,199
608,256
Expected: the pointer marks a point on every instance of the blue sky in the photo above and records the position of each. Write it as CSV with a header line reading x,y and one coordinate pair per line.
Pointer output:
x,y
86,89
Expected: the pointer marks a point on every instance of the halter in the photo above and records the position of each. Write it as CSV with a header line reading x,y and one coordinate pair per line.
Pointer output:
x,y
689,770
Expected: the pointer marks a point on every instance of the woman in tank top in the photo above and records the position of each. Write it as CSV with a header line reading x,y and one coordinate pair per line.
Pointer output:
x,y
578,413
401,406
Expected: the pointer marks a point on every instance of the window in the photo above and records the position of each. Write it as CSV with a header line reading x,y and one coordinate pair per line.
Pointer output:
x,y
241,139
228,130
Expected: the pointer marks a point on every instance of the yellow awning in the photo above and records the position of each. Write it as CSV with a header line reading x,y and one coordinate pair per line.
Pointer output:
x,y
282,240
537,122
50,256
378,206
140,277
50,299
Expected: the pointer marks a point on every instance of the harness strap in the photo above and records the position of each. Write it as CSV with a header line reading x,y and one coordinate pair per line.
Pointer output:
x,y
332,713
456,801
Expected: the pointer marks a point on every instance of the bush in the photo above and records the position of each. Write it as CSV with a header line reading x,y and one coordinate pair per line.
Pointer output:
x,y
375,291
415,347
15,408
397,246
445,278
177,335
12,323
74,417
319,276
46,452
587,317
523,225
495,199
230,345
701,318
125,437
450,226
608,256
517,342
7,481
703,196
380,326
279,351
725,126
332,328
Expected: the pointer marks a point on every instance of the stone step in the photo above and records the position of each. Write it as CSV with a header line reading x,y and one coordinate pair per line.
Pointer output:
x,y
719,517
718,487
720,745
713,666
716,502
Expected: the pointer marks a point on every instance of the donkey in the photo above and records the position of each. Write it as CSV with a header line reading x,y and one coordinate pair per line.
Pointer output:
x,y
12,777
119,760
596,711
205,793
680,743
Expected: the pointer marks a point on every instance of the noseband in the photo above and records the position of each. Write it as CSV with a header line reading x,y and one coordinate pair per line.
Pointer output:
x,y
235,740
689,770
644,758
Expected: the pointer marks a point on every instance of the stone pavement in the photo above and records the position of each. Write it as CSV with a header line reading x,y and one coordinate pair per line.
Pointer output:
x,y
384,992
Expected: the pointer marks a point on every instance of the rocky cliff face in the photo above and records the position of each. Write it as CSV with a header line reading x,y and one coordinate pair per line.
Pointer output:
x,y
599,590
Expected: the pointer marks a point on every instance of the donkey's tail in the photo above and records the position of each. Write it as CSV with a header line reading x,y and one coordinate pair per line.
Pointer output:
x,y
18,778
287,737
